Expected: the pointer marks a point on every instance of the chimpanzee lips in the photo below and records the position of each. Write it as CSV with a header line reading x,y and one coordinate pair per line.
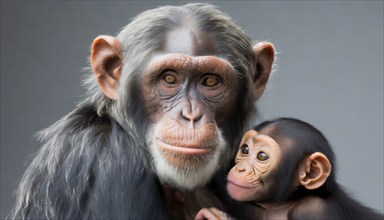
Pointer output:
x,y
240,185
193,150
175,138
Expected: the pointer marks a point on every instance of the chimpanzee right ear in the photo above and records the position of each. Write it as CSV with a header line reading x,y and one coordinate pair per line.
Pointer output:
x,y
106,61
315,171
265,54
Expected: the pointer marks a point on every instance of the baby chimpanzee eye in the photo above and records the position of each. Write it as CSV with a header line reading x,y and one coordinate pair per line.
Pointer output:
x,y
244,149
262,156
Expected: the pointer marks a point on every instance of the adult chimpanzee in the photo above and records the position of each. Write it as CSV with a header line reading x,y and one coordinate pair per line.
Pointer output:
x,y
167,99
286,167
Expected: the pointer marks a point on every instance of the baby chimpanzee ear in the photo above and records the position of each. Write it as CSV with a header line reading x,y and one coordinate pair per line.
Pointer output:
x,y
315,171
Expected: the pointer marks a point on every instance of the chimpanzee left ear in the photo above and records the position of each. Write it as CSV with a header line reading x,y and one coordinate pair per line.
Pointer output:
x,y
265,54
315,171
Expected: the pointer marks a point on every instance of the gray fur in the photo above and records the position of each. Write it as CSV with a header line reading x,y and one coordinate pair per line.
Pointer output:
x,y
93,163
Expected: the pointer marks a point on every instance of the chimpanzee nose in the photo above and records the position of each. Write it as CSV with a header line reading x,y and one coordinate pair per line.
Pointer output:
x,y
244,168
193,114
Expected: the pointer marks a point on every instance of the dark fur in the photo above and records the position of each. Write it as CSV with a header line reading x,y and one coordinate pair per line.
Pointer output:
x,y
89,167
307,140
94,163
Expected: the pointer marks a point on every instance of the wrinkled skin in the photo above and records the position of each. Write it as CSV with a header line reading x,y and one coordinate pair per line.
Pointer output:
x,y
257,156
184,89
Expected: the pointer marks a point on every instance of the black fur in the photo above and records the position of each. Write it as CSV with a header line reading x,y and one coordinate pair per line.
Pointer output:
x,y
335,202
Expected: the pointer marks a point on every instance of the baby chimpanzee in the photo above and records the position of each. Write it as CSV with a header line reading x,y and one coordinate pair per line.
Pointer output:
x,y
286,168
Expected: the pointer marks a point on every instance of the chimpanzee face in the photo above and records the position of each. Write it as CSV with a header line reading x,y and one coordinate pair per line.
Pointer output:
x,y
186,85
190,89
257,157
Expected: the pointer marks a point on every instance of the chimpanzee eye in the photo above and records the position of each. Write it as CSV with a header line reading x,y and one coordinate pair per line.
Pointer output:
x,y
210,81
244,149
262,156
169,78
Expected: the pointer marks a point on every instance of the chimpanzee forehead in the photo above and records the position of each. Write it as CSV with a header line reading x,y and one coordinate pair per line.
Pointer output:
x,y
254,137
189,41
263,138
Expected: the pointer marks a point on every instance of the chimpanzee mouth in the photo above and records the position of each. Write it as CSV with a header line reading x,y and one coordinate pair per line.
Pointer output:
x,y
241,185
190,149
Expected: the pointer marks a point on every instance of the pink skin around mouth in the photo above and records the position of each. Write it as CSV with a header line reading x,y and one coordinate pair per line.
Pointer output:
x,y
184,150
240,186
240,192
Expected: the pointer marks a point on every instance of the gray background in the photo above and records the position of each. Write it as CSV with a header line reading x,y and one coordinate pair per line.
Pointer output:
x,y
329,73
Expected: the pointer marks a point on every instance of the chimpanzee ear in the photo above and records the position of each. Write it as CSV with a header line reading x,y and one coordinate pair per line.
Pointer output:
x,y
106,61
265,54
315,171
